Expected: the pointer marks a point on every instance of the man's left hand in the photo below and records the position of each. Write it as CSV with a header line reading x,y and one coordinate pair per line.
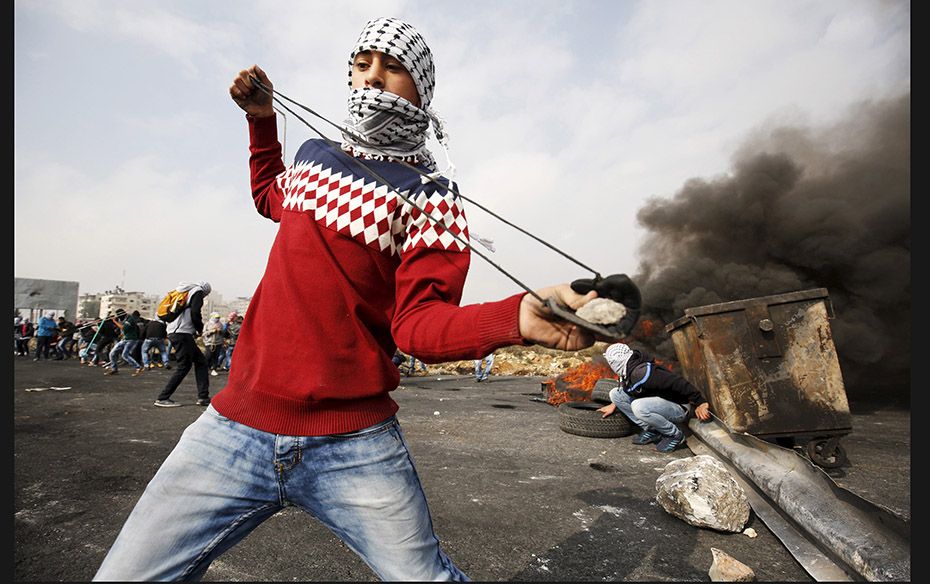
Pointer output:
x,y
702,412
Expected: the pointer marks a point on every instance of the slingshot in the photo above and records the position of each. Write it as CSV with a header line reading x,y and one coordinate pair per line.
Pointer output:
x,y
617,287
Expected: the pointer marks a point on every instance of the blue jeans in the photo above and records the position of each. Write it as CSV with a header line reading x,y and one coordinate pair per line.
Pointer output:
x,y
229,351
481,370
413,365
223,479
148,345
64,347
650,412
124,349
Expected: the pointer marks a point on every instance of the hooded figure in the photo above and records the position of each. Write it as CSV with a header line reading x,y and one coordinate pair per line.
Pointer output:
x,y
213,342
191,320
202,285
618,355
181,333
652,397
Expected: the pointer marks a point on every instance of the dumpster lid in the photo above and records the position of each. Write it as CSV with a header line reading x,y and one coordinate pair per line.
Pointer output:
x,y
742,304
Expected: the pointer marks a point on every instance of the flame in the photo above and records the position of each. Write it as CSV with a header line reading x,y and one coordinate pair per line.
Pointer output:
x,y
647,328
577,383
584,376
557,397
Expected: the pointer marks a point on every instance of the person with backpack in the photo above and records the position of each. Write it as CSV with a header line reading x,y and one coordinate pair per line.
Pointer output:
x,y
185,323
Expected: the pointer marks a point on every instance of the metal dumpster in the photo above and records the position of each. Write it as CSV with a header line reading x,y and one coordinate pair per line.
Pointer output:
x,y
769,368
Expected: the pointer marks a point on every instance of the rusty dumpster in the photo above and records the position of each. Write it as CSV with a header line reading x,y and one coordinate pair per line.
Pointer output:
x,y
769,368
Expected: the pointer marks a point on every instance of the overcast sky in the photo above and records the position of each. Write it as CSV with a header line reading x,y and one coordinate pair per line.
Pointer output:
x,y
131,161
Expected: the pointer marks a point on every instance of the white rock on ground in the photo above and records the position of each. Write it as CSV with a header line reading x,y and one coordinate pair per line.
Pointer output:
x,y
701,491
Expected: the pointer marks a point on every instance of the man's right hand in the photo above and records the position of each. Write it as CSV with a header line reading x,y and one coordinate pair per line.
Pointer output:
x,y
607,410
248,96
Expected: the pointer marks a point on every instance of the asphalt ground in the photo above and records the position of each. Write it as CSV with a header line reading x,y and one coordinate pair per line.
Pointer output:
x,y
512,496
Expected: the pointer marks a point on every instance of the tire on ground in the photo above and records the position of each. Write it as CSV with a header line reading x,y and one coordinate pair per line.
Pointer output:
x,y
601,391
583,419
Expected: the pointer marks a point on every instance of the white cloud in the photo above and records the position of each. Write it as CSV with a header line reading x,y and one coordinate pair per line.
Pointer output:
x,y
157,224
564,117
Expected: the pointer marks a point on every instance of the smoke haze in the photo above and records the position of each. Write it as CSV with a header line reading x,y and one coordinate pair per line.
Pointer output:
x,y
802,208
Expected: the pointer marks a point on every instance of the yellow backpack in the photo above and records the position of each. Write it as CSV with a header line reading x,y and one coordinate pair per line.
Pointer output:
x,y
172,305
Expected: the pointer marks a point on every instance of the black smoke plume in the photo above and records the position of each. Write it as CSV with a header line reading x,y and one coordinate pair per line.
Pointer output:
x,y
802,208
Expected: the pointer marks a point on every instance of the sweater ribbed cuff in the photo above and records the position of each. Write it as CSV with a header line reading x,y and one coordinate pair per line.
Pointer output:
x,y
262,131
499,323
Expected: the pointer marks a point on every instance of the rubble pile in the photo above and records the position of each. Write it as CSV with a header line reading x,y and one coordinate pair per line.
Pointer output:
x,y
524,361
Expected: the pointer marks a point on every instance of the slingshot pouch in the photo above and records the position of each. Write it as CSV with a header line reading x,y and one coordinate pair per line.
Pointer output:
x,y
617,287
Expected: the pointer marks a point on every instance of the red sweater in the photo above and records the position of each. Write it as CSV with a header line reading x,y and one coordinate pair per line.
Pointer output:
x,y
353,270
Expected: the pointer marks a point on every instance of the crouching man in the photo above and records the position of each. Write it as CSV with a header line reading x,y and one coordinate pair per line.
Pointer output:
x,y
654,398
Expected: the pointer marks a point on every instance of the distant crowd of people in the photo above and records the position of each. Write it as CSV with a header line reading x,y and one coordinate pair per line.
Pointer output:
x,y
121,338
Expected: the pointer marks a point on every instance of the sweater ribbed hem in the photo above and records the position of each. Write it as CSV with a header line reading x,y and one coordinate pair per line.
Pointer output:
x,y
282,415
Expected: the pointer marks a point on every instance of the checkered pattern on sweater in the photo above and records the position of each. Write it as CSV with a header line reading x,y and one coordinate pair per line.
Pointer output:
x,y
371,214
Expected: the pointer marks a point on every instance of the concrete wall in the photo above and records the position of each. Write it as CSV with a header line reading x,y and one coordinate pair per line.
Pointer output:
x,y
32,296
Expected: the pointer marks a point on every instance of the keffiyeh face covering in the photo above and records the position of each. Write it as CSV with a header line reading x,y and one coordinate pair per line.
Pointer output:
x,y
617,356
389,122
384,123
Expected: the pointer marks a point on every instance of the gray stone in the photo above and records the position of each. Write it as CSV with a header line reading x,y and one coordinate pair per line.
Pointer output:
x,y
726,568
701,491
602,311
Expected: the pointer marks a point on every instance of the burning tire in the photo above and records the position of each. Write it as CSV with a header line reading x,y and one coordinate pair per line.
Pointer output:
x,y
601,391
583,419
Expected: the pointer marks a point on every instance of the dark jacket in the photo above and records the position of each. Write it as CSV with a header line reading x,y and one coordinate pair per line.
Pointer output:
x,y
155,329
131,328
646,379
66,329
196,303
232,333
107,332
87,332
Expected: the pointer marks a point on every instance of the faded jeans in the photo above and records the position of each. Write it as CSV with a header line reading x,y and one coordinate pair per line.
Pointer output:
x,y
154,343
223,479
483,367
227,363
124,349
652,412
64,347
